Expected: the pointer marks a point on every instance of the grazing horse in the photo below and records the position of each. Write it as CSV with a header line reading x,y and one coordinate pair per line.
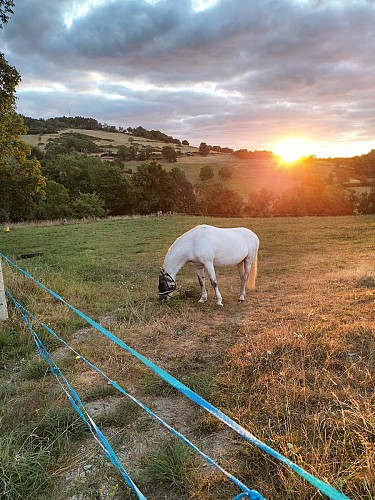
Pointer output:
x,y
205,247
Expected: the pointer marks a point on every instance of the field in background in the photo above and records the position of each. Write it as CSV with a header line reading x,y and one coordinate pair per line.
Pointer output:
x,y
107,139
248,174
294,364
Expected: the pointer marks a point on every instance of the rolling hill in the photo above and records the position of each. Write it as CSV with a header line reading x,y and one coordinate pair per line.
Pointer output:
x,y
248,175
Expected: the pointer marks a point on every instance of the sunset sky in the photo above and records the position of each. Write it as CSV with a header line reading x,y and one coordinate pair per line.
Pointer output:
x,y
255,74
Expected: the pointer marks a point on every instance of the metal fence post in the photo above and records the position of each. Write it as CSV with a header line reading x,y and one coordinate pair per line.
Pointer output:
x,y
3,301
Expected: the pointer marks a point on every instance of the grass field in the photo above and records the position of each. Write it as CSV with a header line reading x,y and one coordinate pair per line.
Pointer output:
x,y
294,364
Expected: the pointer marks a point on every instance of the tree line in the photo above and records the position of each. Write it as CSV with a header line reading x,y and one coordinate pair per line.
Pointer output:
x,y
74,184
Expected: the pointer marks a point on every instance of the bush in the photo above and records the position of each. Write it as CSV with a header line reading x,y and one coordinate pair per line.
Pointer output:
x,y
88,205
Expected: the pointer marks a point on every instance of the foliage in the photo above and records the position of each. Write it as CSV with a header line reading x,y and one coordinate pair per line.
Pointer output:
x,y
244,154
260,203
21,186
11,125
155,135
86,174
125,153
88,205
184,197
20,180
56,202
154,189
5,11
203,149
214,199
366,203
313,198
169,154
225,173
206,173
365,164
71,141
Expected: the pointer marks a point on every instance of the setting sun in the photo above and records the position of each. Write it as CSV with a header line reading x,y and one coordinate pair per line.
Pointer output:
x,y
292,149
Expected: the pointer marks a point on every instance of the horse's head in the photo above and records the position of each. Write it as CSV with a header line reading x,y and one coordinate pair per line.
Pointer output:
x,y
166,286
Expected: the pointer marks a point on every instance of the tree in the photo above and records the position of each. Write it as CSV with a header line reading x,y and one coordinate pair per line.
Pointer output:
x,y
169,154
206,173
154,189
259,203
88,205
225,173
112,186
21,186
56,202
86,174
203,149
21,182
314,198
5,11
184,197
125,153
214,199
366,203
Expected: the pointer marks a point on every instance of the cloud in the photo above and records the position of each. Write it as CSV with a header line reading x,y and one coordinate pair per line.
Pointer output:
x,y
271,65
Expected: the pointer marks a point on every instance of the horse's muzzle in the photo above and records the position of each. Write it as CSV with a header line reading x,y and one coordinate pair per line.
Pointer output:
x,y
163,297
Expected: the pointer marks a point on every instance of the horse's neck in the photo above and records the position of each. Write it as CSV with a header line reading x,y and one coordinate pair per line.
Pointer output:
x,y
176,257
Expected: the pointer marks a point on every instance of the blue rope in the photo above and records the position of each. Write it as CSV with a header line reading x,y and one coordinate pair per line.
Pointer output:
x,y
77,403
193,396
247,493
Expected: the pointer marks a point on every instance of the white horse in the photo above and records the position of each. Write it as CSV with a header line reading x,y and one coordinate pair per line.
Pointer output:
x,y
205,247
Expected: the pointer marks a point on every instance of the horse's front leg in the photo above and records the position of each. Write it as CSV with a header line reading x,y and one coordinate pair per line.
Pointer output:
x,y
211,272
202,282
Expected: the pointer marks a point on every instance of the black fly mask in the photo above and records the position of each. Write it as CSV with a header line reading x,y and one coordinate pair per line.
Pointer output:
x,y
166,285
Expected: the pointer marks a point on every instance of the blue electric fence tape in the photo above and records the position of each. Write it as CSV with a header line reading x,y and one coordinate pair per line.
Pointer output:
x,y
317,483
247,493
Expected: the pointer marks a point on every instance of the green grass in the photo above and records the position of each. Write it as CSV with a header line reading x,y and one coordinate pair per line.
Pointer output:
x,y
27,455
295,364
172,465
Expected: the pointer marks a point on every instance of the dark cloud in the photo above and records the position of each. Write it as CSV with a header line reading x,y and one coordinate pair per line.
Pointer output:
x,y
268,67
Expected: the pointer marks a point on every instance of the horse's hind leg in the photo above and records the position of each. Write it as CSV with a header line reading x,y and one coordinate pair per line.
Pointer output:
x,y
211,272
241,272
202,282
244,270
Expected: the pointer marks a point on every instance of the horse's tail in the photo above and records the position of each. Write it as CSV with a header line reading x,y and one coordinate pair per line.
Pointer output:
x,y
253,272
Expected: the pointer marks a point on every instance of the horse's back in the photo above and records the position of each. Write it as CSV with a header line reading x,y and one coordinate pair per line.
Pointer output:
x,y
222,246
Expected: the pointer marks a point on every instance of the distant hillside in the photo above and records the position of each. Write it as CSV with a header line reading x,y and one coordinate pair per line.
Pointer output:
x,y
54,125
251,171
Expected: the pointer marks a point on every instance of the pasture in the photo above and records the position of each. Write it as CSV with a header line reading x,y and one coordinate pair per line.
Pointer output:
x,y
248,175
294,364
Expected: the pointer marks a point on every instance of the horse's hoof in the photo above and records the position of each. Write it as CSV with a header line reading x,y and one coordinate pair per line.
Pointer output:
x,y
241,301
219,304
201,301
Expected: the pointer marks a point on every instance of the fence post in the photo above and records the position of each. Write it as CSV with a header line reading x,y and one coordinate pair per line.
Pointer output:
x,y
3,301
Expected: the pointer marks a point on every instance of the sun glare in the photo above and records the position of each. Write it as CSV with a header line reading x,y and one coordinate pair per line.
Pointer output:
x,y
292,149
